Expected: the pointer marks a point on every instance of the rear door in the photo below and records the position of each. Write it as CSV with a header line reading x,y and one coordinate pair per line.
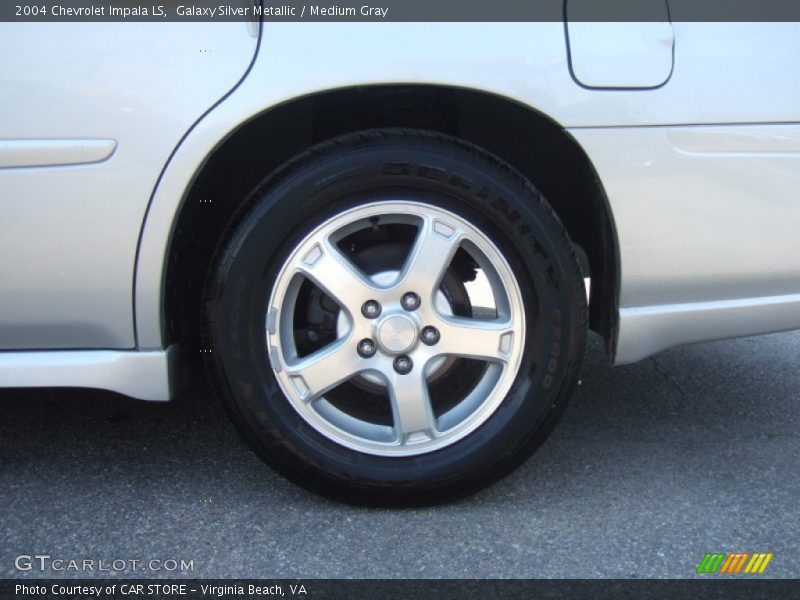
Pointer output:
x,y
90,115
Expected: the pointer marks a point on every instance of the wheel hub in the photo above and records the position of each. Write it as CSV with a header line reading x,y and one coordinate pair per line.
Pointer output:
x,y
397,334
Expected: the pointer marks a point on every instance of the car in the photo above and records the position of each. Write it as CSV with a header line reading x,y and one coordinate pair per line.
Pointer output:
x,y
382,244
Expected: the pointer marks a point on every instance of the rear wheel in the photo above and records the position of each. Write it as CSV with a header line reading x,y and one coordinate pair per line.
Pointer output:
x,y
397,317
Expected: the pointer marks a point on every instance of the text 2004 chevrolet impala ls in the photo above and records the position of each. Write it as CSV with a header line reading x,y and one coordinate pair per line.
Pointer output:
x,y
376,235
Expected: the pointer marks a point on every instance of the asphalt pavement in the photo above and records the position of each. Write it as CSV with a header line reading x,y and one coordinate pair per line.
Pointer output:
x,y
654,464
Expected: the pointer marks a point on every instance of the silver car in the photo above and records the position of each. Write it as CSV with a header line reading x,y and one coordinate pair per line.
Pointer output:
x,y
382,245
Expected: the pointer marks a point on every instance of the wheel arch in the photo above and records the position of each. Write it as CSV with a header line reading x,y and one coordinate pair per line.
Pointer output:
x,y
533,143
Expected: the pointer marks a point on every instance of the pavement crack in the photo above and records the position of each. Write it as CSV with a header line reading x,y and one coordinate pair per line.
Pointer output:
x,y
669,379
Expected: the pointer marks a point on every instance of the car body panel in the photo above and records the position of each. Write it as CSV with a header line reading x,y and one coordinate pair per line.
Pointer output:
x,y
525,62
93,111
713,252
724,229
700,171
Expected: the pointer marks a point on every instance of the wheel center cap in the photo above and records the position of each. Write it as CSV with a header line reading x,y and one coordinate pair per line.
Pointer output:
x,y
397,333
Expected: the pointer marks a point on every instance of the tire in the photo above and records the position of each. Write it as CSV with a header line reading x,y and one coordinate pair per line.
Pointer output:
x,y
375,215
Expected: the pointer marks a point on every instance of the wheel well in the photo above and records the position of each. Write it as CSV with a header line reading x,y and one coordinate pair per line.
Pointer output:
x,y
532,143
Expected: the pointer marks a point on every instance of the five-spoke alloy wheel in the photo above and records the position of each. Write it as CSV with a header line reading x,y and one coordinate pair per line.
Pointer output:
x,y
396,329
397,317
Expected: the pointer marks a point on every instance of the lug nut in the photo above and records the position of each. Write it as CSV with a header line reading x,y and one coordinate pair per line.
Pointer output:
x,y
410,301
366,348
403,365
371,309
430,335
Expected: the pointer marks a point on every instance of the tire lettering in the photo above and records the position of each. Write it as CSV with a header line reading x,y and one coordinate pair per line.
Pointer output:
x,y
396,168
235,318
555,350
433,173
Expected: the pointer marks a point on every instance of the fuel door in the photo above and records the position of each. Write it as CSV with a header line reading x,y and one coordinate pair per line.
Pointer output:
x,y
619,44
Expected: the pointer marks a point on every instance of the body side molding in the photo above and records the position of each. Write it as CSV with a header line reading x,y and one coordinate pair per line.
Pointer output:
x,y
650,329
54,152
766,139
141,375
